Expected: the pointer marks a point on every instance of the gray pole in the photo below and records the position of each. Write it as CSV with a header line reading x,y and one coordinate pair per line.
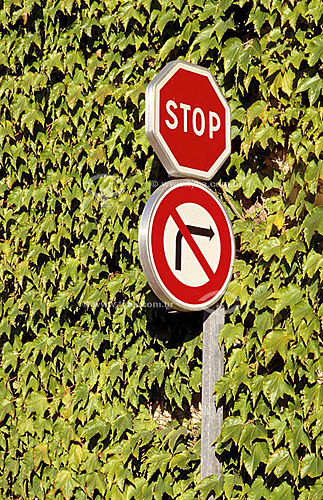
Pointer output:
x,y
212,369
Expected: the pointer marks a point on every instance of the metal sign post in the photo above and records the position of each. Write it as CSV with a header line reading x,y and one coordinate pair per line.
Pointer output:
x,y
212,370
186,242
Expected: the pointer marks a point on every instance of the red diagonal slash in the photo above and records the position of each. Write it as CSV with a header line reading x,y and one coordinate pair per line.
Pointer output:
x,y
192,244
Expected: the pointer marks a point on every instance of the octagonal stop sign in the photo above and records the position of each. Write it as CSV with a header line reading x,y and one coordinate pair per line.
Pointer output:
x,y
188,121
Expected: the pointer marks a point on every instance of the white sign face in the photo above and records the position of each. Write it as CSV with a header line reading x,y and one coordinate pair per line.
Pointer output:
x,y
186,245
180,257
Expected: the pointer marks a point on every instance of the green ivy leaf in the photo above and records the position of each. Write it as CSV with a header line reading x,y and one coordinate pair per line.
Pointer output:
x,y
276,341
315,50
312,465
313,222
259,453
275,387
65,482
280,462
231,52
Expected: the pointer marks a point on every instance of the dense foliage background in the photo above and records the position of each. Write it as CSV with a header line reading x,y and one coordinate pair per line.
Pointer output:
x,y
99,393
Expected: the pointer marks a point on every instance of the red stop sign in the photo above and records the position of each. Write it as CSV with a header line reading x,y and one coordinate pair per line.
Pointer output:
x,y
188,121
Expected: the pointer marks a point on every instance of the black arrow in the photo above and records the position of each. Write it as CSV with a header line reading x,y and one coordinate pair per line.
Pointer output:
x,y
199,231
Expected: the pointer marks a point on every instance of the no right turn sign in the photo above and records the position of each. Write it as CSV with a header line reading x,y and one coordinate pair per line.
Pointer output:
x,y
186,245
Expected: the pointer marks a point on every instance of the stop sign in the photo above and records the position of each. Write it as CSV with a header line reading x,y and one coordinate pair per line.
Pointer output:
x,y
188,121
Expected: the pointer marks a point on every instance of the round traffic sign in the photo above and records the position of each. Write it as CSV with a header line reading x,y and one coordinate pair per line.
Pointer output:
x,y
188,121
186,245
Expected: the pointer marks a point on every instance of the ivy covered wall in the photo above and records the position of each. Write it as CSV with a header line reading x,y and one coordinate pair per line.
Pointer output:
x,y
99,391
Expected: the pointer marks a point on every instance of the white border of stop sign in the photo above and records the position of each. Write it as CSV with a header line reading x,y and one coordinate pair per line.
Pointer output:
x,y
213,121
